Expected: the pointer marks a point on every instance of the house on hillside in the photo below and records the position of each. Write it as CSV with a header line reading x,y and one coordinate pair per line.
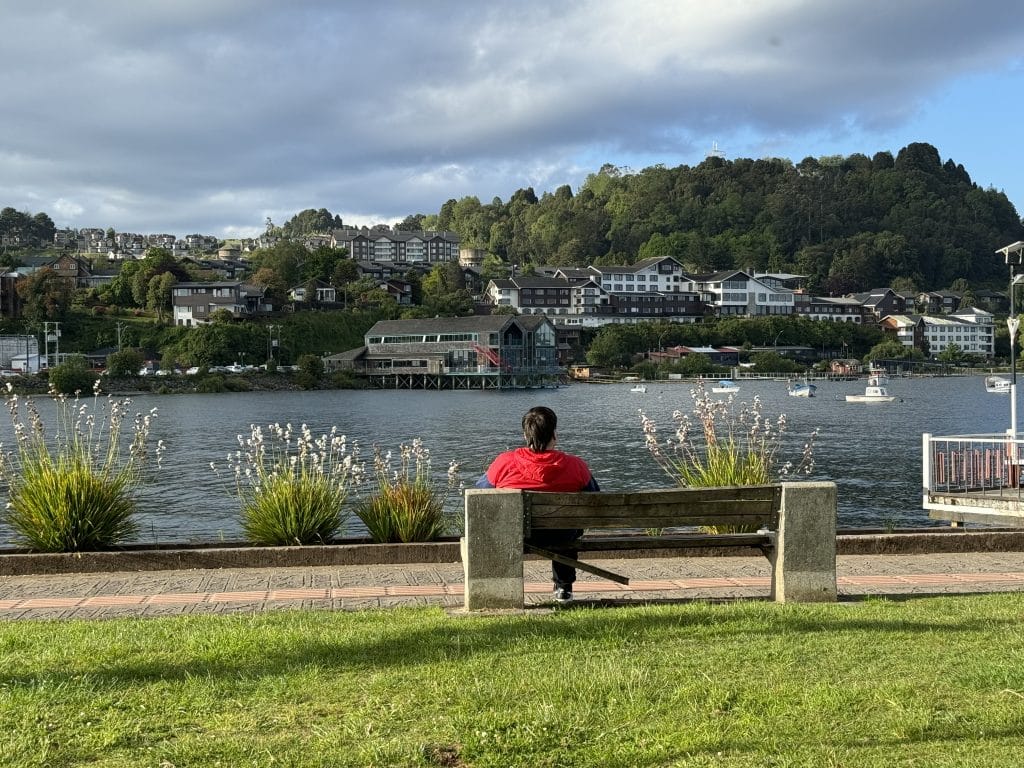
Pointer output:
x,y
194,303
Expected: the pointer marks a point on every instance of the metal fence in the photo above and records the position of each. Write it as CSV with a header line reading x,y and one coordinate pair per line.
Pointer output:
x,y
972,463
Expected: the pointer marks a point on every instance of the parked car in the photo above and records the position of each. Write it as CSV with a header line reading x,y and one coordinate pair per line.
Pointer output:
x,y
192,371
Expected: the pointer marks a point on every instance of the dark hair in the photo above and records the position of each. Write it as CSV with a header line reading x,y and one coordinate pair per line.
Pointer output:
x,y
539,427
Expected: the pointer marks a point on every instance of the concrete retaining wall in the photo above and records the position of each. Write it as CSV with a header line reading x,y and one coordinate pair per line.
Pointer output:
x,y
14,563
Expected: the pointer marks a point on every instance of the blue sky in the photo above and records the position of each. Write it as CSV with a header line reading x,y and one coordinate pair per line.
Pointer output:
x,y
210,116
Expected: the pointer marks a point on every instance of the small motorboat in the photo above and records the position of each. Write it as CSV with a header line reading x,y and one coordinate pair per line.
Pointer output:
x,y
997,385
802,389
725,387
874,392
638,388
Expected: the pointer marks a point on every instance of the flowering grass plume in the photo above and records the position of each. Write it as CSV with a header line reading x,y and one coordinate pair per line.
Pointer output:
x,y
724,442
292,485
74,490
408,503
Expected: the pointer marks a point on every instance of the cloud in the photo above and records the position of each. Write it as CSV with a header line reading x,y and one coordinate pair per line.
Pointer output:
x,y
195,116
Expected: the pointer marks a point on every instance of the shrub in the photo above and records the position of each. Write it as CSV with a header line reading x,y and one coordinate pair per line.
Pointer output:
x,y
727,448
72,376
292,487
74,491
408,504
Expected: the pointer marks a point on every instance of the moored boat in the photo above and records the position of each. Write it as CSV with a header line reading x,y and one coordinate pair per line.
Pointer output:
x,y
874,392
997,385
725,387
802,389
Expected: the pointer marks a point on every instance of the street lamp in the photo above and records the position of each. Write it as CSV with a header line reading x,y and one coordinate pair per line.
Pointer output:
x,y
1013,254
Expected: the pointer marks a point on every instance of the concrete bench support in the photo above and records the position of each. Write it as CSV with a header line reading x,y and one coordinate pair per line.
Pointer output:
x,y
492,549
804,558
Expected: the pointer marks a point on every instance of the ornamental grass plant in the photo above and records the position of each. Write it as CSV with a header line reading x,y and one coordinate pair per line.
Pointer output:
x,y
293,486
724,442
407,503
74,490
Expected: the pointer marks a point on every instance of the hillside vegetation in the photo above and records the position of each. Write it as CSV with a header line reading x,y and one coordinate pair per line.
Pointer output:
x,y
848,223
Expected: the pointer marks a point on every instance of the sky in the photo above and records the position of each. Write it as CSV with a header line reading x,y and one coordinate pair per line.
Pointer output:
x,y
211,116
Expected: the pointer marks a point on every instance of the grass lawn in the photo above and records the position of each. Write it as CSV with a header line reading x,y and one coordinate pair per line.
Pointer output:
x,y
922,682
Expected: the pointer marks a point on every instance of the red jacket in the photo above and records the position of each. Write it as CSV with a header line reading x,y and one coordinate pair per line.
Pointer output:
x,y
543,471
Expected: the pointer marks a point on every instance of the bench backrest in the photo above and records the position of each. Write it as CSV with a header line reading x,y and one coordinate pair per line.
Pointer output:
x,y
751,506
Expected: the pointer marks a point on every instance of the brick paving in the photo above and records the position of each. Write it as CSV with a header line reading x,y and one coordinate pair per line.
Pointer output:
x,y
358,587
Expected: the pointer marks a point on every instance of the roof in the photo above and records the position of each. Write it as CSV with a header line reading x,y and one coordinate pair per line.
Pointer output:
x,y
471,323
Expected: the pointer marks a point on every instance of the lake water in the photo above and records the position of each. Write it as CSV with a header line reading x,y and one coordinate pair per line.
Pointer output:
x,y
872,451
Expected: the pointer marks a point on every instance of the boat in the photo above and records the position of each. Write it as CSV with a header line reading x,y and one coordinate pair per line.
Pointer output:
x,y
874,392
802,389
638,388
725,387
997,385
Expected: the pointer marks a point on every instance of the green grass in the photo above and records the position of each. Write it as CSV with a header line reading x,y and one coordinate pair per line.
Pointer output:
x,y
924,682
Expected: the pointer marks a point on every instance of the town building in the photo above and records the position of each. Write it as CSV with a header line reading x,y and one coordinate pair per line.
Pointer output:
x,y
476,352
194,303
735,292
972,331
397,246
843,309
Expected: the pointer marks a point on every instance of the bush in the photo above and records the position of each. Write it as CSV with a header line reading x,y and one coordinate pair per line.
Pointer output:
x,y
408,504
72,376
293,488
74,491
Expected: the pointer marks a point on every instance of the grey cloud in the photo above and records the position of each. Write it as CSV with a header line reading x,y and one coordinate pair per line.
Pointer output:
x,y
199,116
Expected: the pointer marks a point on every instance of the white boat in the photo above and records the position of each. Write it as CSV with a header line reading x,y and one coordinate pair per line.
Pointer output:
x,y
997,385
725,387
638,388
874,392
802,389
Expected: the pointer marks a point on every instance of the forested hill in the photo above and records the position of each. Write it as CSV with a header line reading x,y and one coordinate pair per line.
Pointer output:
x,y
850,223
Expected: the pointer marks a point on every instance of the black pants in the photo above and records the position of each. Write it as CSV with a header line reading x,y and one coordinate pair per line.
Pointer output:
x,y
562,575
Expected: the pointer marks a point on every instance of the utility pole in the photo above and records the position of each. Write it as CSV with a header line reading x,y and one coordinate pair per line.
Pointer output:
x,y
272,343
51,335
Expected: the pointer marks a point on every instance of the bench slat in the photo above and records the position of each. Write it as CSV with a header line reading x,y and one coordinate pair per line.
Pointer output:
x,y
682,541
748,506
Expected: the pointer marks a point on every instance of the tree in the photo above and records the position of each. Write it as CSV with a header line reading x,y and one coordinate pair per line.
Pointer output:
x,y
311,370
952,354
125,362
445,293
45,295
345,271
158,295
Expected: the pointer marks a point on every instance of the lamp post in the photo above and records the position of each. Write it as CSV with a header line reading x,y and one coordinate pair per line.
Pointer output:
x,y
1014,256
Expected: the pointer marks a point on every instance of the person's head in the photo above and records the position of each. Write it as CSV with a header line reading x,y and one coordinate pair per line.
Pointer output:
x,y
539,428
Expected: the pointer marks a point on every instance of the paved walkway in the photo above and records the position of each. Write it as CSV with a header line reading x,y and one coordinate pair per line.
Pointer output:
x,y
235,590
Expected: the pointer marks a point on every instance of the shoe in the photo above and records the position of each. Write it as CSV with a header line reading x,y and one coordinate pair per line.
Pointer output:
x,y
563,595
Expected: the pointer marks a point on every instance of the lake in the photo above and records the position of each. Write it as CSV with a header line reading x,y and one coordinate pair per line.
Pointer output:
x,y
871,450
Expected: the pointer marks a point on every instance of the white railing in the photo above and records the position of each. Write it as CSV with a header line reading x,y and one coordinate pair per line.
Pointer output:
x,y
972,463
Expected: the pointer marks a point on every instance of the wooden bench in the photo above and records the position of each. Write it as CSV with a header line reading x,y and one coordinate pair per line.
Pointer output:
x,y
793,524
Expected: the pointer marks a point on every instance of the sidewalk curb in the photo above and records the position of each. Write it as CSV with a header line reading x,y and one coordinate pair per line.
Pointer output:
x,y
943,540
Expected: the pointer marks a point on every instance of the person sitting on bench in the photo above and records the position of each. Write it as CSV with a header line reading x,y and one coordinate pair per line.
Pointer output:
x,y
540,467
